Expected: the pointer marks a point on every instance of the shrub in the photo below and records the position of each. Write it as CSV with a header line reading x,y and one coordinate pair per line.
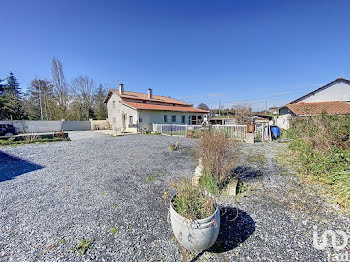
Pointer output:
x,y
219,156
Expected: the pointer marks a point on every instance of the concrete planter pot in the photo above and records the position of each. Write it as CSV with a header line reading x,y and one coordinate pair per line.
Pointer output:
x,y
198,234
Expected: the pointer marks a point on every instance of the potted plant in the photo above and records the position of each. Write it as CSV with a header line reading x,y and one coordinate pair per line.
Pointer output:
x,y
195,217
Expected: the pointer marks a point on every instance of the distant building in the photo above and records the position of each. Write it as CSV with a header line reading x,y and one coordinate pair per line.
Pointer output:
x,y
133,112
331,99
222,121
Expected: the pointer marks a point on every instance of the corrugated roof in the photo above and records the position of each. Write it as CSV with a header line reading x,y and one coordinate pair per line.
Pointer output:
x,y
317,108
145,106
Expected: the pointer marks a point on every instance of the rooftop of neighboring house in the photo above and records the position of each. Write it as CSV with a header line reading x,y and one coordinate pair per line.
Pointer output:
x,y
300,108
148,101
317,108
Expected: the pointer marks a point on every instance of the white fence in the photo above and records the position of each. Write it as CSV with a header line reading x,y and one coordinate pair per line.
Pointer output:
x,y
236,132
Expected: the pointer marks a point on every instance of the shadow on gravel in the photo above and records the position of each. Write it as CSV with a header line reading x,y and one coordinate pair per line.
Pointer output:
x,y
11,166
246,172
236,227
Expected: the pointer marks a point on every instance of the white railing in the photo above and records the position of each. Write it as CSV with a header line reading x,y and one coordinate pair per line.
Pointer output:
x,y
236,132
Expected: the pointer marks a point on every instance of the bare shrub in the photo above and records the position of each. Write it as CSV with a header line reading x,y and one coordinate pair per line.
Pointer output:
x,y
218,154
30,137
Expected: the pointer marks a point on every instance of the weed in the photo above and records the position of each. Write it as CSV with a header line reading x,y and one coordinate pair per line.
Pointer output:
x,y
62,240
191,202
83,246
114,230
209,183
151,178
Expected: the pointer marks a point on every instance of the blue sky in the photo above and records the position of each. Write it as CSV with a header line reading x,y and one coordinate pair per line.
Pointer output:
x,y
199,51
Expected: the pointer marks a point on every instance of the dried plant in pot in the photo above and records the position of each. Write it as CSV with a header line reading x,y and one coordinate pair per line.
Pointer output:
x,y
195,217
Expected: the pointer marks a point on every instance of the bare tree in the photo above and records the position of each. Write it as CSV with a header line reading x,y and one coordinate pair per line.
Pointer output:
x,y
243,114
41,94
60,87
83,90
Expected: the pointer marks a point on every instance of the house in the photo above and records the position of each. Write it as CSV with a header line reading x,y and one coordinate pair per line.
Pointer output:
x,y
134,112
331,99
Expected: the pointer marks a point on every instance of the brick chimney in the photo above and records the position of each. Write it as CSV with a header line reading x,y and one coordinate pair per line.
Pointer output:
x,y
121,89
149,93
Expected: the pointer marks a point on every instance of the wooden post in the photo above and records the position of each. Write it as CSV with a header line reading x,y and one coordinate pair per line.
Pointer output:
x,y
183,254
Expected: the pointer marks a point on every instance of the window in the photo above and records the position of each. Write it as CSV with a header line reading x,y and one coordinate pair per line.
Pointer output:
x,y
183,119
130,120
173,119
165,118
140,119
199,117
113,104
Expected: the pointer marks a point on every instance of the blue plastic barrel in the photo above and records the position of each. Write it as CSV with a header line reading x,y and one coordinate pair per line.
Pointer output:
x,y
275,132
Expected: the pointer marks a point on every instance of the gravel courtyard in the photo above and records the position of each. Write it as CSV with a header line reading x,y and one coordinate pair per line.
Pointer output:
x,y
109,189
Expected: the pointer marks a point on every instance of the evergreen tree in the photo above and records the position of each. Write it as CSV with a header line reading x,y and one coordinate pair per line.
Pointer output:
x,y
100,109
12,96
2,99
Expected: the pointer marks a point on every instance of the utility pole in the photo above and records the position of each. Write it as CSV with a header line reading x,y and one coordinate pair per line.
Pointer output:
x,y
219,108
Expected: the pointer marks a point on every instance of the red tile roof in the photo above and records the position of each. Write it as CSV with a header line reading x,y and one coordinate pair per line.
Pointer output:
x,y
317,108
142,96
145,106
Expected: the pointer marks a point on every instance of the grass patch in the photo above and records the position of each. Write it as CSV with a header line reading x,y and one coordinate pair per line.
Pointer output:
x,y
11,142
83,246
321,144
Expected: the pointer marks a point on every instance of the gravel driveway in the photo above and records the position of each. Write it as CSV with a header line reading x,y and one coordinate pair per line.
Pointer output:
x,y
108,189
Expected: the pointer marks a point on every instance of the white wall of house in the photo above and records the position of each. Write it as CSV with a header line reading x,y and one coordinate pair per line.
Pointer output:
x,y
147,118
339,91
121,116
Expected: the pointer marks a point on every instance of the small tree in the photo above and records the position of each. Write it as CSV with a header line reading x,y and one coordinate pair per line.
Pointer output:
x,y
203,106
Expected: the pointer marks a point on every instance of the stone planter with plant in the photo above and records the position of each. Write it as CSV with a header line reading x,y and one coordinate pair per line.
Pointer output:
x,y
195,217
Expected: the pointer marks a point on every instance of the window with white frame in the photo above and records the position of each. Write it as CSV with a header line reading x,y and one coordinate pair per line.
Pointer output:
x,y
173,119
165,118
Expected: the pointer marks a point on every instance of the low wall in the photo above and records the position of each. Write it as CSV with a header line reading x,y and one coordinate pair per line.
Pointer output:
x,y
38,126
99,124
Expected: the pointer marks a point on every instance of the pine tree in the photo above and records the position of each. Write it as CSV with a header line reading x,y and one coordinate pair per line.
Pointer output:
x,y
12,95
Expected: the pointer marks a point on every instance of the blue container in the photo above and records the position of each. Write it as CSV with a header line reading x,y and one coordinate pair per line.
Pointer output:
x,y
275,132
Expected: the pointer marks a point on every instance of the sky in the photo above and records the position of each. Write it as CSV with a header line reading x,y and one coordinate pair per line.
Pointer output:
x,y
230,52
